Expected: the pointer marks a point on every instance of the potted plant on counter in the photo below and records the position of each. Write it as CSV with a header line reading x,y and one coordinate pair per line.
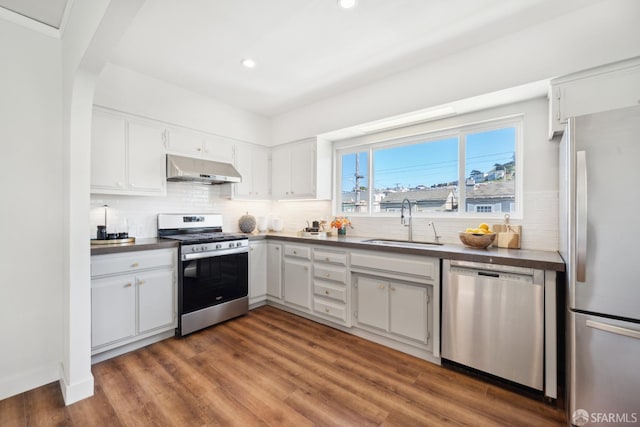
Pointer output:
x,y
341,223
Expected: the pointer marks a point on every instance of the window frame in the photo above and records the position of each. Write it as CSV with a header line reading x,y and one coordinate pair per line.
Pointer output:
x,y
461,131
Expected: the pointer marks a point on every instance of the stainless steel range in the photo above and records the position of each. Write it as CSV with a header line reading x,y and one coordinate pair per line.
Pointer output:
x,y
213,275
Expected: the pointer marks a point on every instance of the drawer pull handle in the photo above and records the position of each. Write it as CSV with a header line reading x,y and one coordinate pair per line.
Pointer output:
x,y
326,292
128,285
381,287
135,264
141,282
393,289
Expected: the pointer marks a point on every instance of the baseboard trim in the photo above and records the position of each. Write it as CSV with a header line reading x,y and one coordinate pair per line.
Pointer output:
x,y
28,380
72,393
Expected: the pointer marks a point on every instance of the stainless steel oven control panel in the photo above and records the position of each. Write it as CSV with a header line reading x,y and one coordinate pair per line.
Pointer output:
x,y
201,250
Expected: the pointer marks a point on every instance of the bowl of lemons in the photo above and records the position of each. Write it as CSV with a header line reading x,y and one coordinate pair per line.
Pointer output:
x,y
479,238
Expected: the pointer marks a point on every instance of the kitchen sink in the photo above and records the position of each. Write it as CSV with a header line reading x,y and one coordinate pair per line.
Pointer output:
x,y
402,243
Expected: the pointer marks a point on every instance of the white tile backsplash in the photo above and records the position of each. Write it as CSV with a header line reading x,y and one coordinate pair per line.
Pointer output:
x,y
141,211
540,223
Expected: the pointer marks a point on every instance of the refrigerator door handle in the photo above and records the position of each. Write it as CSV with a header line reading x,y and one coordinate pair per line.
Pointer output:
x,y
581,216
614,329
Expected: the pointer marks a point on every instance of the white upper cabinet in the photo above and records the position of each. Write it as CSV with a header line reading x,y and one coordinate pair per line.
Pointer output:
x,y
108,153
196,144
147,170
252,162
127,155
598,89
301,170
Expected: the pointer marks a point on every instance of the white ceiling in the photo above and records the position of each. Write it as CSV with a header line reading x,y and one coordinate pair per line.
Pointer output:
x,y
305,50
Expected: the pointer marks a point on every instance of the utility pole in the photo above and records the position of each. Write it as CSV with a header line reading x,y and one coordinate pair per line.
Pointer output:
x,y
358,178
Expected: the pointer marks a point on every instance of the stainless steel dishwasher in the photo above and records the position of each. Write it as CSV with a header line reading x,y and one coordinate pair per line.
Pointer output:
x,y
493,319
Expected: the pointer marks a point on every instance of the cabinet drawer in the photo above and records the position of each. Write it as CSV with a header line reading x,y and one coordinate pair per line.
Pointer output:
x,y
331,257
329,309
329,290
297,252
415,266
326,272
102,265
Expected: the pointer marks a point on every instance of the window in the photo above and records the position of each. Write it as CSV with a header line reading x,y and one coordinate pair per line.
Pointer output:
x,y
490,168
469,170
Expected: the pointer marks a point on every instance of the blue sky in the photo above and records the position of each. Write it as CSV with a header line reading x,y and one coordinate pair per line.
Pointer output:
x,y
432,163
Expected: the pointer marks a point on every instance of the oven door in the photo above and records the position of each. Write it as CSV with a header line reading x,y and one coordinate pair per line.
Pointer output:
x,y
210,280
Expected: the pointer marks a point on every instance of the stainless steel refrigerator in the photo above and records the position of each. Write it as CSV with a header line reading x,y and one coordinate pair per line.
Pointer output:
x,y
600,243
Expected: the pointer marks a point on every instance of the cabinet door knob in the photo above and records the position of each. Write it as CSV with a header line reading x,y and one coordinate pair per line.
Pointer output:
x,y
277,248
326,292
393,289
128,285
327,259
135,264
380,286
141,282
327,275
326,310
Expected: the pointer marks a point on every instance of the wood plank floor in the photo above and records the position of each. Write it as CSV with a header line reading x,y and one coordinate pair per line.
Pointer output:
x,y
274,368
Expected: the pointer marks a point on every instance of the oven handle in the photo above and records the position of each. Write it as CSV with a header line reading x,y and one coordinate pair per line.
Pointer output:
x,y
213,254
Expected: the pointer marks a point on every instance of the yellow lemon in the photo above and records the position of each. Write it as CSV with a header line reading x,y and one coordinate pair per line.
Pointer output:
x,y
484,226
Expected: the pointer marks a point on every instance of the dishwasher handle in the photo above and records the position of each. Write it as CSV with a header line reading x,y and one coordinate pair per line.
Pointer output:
x,y
487,274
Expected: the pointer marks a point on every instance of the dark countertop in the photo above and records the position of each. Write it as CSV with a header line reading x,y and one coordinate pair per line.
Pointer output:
x,y
141,244
543,260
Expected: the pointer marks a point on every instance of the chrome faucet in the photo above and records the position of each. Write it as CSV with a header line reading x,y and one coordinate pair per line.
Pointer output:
x,y
435,233
402,220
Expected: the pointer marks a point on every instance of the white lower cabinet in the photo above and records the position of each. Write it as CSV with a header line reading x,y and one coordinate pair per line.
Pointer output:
x,y
257,272
156,300
133,297
408,311
330,291
394,297
393,307
372,296
274,271
113,310
297,282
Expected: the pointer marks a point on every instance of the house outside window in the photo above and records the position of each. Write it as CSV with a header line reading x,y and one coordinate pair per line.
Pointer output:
x,y
467,171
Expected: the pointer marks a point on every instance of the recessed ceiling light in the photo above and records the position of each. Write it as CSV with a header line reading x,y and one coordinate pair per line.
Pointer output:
x,y
248,62
347,4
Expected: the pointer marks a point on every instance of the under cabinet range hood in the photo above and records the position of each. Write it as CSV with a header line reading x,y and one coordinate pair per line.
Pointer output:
x,y
189,169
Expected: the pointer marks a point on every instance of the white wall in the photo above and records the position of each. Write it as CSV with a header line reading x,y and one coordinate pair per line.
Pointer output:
x,y
605,32
540,180
31,212
126,90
